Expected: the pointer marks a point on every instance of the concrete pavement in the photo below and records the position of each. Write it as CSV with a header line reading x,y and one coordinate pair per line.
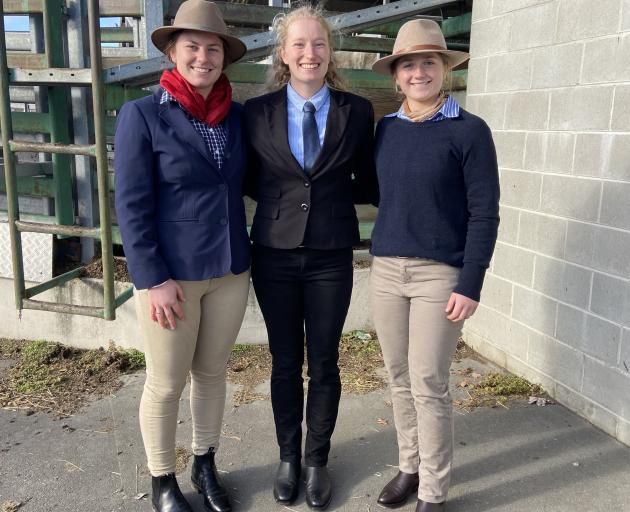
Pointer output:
x,y
522,459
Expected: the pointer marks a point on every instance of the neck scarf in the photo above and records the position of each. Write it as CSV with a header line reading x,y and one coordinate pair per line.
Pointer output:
x,y
212,110
417,116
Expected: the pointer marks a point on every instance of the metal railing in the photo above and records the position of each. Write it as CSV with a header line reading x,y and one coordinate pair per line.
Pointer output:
x,y
98,150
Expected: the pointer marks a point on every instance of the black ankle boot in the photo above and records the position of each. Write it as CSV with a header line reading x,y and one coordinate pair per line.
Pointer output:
x,y
287,483
318,487
166,495
205,481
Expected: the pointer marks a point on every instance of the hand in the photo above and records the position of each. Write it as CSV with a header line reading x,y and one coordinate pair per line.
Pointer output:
x,y
460,307
164,304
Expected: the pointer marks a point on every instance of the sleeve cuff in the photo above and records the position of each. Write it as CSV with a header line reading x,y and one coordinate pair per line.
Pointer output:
x,y
470,281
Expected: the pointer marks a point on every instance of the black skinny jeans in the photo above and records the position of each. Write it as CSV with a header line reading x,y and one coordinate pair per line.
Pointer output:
x,y
304,293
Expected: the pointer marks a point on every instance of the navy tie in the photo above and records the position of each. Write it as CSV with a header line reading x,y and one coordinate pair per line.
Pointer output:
x,y
310,136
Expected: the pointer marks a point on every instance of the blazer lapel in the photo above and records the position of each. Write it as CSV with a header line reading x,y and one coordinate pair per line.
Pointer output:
x,y
338,115
174,116
277,121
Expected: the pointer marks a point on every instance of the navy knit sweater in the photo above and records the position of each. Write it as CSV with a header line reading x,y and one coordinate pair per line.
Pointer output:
x,y
439,194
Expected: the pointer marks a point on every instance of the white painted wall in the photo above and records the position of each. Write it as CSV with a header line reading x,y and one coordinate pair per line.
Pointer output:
x,y
552,79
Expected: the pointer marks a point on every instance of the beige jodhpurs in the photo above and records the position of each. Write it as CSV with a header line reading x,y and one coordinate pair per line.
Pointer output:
x,y
408,298
200,346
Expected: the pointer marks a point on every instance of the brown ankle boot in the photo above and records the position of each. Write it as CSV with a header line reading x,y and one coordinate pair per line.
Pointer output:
x,y
398,489
425,506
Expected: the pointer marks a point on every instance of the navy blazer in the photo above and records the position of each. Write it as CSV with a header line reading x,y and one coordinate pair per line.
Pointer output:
x,y
180,216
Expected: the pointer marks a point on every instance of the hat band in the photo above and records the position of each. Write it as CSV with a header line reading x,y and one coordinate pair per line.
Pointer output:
x,y
419,47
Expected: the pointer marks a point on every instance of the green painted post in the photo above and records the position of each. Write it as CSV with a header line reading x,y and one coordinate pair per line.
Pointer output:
x,y
98,107
13,210
59,110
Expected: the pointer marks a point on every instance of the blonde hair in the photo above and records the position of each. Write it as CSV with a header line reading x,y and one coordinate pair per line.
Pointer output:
x,y
279,72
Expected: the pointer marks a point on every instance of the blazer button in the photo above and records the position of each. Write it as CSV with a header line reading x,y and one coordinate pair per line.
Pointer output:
x,y
304,207
222,187
307,184
223,221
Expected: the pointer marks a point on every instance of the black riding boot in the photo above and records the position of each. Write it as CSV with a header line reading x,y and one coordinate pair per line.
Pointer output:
x,y
206,481
167,496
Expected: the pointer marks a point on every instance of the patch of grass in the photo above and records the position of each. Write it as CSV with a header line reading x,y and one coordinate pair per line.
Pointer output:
x,y
494,389
359,359
507,385
10,349
242,348
54,378
249,366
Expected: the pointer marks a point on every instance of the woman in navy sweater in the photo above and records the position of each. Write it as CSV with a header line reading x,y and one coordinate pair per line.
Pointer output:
x,y
432,242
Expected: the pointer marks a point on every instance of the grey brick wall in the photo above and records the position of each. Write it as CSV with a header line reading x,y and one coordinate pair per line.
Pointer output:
x,y
552,79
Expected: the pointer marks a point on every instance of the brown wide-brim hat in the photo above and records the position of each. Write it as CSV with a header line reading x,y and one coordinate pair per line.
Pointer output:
x,y
202,16
419,36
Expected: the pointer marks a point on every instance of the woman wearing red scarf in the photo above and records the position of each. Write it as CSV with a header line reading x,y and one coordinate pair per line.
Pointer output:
x,y
178,169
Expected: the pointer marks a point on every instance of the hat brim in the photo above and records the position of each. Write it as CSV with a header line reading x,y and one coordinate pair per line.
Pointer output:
x,y
235,48
383,66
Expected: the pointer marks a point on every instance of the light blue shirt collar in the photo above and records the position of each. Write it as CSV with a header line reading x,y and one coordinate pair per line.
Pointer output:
x,y
318,99
450,109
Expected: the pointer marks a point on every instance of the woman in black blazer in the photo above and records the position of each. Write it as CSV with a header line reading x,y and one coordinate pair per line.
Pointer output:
x,y
310,160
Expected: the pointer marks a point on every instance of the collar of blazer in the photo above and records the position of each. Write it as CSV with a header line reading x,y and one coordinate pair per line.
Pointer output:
x,y
175,117
277,118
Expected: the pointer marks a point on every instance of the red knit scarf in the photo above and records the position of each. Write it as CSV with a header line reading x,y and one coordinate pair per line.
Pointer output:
x,y
212,110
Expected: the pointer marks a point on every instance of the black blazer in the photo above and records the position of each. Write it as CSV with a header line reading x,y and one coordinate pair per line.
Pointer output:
x,y
316,210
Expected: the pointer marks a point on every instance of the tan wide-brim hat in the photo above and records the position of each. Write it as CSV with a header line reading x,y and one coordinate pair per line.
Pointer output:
x,y
202,16
419,36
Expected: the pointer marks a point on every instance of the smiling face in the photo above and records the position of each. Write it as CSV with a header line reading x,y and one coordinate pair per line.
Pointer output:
x,y
307,53
420,77
198,56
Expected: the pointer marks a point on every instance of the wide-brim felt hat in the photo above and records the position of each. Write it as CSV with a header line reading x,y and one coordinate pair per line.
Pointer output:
x,y
202,16
419,36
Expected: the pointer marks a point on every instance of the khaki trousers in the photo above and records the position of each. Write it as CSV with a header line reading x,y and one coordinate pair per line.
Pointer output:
x,y
200,346
408,298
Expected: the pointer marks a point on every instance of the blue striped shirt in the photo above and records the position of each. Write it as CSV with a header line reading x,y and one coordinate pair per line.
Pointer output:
x,y
449,109
215,137
295,105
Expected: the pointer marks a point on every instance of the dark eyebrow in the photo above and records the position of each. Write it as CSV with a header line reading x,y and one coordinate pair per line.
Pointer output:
x,y
199,44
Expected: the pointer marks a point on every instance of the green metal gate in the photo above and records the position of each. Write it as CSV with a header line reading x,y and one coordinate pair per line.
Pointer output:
x,y
60,149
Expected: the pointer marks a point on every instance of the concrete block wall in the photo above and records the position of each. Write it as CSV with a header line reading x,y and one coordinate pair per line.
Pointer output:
x,y
552,79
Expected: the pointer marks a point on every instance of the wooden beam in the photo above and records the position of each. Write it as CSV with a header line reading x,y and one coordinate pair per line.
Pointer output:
x,y
365,44
387,29
31,122
117,34
247,14
26,60
41,186
115,8
22,6
116,95
457,26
